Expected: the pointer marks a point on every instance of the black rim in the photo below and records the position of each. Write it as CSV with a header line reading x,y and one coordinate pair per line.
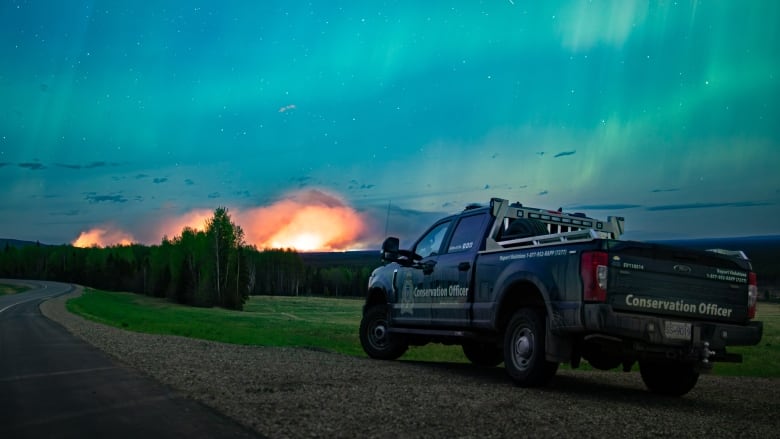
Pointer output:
x,y
522,348
377,333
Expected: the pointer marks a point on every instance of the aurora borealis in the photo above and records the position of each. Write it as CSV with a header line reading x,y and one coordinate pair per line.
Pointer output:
x,y
131,115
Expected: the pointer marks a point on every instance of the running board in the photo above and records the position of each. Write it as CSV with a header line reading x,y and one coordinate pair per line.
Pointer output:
x,y
444,333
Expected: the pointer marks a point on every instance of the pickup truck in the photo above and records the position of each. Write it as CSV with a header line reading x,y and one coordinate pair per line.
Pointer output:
x,y
534,288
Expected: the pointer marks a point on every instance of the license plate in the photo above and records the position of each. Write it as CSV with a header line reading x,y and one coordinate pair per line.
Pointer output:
x,y
677,330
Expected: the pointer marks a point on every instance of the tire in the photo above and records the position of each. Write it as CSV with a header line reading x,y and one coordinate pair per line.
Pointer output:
x,y
669,379
525,228
375,338
524,356
483,354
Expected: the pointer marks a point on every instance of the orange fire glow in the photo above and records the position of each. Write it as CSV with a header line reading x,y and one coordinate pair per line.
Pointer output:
x,y
306,221
309,220
195,220
103,237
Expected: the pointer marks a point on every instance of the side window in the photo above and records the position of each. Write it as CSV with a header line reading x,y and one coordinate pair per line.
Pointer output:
x,y
430,244
467,234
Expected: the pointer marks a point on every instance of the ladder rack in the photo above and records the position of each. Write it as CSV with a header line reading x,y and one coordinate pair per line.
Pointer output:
x,y
561,227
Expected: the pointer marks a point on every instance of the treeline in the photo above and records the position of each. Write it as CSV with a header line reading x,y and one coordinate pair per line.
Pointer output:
x,y
207,268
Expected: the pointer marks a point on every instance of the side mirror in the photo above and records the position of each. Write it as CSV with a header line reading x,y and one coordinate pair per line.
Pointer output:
x,y
390,250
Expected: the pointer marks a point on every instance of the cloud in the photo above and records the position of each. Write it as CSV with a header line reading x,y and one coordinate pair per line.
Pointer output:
x,y
565,153
140,176
90,165
356,185
159,180
65,213
605,206
707,205
92,197
213,195
2,164
63,165
287,108
188,182
33,166
544,192
665,190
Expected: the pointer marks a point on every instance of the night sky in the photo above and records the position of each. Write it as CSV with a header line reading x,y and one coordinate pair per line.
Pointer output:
x,y
137,118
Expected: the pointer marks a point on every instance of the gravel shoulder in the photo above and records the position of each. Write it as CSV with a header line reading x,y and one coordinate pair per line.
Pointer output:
x,y
293,393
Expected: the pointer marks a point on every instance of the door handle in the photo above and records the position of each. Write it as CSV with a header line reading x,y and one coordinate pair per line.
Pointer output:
x,y
427,267
464,266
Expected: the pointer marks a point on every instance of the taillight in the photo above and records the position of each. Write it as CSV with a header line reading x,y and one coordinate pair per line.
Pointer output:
x,y
752,295
593,271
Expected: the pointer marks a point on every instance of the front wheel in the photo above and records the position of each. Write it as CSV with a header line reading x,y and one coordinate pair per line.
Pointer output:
x,y
524,356
375,337
667,378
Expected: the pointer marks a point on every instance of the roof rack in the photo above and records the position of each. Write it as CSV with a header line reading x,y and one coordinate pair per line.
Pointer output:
x,y
561,227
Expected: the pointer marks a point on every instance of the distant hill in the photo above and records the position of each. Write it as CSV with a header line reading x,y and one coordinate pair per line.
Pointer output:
x,y
16,243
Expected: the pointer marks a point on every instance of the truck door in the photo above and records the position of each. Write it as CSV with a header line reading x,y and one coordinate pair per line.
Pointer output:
x,y
451,275
412,285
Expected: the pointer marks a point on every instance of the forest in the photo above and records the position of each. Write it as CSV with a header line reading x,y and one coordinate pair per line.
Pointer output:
x,y
213,267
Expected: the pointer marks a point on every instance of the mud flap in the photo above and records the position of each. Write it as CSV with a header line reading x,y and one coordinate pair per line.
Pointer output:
x,y
557,349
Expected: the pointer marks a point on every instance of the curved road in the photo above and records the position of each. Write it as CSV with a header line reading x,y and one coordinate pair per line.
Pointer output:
x,y
53,384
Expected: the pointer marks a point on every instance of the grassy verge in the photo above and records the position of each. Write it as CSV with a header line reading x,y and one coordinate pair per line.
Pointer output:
x,y
330,324
12,289
762,360
322,323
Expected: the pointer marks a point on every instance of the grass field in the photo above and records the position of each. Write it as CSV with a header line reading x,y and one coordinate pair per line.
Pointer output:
x,y
313,322
12,289
331,324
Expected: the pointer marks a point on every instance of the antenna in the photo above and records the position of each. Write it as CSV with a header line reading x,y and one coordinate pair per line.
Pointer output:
x,y
387,219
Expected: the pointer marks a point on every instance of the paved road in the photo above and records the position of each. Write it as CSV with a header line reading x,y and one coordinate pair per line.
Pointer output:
x,y
55,385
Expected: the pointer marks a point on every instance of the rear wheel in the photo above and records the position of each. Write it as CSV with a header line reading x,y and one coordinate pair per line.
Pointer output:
x,y
375,337
524,356
483,354
667,378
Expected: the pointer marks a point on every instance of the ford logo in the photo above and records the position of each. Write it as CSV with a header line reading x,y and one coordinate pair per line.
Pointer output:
x,y
682,268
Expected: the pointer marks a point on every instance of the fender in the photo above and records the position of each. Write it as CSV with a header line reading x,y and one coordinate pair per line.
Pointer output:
x,y
382,279
522,272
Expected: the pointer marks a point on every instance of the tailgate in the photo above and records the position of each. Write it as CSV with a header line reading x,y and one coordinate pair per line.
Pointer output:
x,y
672,281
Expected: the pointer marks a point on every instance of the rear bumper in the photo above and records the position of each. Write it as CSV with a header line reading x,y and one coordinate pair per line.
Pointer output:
x,y
600,318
